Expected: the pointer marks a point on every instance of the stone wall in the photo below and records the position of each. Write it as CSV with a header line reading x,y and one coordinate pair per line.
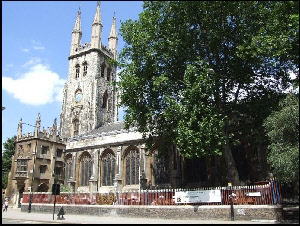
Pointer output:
x,y
241,212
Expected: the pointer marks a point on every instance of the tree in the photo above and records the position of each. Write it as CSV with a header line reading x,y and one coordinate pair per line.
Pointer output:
x,y
165,83
282,128
7,154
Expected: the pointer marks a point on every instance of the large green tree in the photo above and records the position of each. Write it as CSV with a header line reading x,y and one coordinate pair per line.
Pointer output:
x,y
193,69
7,154
282,128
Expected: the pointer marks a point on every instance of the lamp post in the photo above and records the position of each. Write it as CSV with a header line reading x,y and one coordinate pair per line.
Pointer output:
x,y
54,185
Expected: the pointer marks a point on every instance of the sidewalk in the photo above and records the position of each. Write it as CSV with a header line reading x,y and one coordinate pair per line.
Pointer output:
x,y
16,214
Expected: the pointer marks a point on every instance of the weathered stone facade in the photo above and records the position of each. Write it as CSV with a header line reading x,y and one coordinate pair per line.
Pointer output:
x,y
97,146
38,157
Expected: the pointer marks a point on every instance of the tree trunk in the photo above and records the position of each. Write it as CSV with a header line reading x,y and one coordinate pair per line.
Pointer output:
x,y
231,167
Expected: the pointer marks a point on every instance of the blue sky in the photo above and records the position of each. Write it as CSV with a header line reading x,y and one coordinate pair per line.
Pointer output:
x,y
36,39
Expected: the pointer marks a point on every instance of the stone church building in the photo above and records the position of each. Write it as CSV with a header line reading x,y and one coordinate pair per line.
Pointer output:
x,y
100,154
90,150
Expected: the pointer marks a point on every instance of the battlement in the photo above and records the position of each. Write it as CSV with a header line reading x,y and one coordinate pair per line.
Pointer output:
x,y
83,47
50,133
107,51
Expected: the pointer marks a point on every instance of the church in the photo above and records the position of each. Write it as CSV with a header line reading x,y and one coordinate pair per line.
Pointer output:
x,y
91,151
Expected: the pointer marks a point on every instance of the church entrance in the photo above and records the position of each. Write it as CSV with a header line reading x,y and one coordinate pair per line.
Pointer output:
x,y
20,196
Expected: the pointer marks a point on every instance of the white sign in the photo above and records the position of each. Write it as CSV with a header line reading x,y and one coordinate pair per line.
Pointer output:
x,y
197,196
253,194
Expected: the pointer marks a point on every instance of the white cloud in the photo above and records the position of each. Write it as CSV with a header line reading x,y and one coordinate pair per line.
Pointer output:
x,y
36,87
25,50
37,45
32,61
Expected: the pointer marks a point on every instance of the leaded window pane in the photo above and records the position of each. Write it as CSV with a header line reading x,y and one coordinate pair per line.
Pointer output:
x,y
109,170
104,172
132,167
128,170
137,165
161,170
108,174
113,170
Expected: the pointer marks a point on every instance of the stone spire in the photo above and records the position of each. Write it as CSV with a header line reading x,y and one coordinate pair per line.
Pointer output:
x,y
37,125
19,129
113,37
97,17
97,29
76,33
77,26
54,128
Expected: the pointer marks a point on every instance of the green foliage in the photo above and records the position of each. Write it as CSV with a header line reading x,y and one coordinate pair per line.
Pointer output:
x,y
251,46
7,154
64,188
282,128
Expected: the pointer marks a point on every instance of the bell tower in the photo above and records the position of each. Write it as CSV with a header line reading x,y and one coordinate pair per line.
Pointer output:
x,y
89,97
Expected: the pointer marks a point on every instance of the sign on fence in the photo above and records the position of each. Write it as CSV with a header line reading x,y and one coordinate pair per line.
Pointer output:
x,y
198,196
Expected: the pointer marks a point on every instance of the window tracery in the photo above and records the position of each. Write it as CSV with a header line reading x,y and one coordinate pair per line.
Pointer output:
x,y
108,173
132,163
86,170
161,169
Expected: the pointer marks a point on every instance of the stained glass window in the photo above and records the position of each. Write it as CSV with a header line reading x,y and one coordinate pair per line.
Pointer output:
x,y
108,174
68,169
132,161
86,170
161,170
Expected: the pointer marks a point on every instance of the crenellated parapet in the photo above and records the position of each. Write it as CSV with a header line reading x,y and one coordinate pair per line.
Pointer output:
x,y
107,51
83,47
49,133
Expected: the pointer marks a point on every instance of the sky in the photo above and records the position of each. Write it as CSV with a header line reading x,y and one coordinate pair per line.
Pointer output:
x,y
36,40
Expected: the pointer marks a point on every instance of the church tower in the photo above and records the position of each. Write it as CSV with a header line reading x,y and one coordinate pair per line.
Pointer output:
x,y
89,98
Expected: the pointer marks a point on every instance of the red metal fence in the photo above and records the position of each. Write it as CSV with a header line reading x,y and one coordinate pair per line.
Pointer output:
x,y
268,194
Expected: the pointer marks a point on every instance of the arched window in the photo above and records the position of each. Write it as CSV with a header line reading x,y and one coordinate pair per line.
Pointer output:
x,y
85,169
77,70
75,127
108,169
78,96
108,74
68,167
132,163
105,97
161,170
102,69
85,67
